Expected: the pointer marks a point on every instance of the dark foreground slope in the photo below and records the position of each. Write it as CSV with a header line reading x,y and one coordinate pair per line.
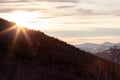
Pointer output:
x,y
31,55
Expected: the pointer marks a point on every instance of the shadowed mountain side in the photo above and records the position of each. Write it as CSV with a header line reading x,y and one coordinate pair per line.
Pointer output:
x,y
32,55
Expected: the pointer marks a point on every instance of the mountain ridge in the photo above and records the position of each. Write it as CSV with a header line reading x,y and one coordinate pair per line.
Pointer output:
x,y
96,48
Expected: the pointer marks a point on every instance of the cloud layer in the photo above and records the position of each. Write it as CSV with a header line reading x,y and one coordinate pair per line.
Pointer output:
x,y
71,18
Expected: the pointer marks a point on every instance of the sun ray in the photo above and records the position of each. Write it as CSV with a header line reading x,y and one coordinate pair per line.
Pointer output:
x,y
15,38
20,30
17,31
7,30
29,41
27,37
13,44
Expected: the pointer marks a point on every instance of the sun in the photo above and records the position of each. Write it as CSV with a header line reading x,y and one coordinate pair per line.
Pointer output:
x,y
31,20
22,18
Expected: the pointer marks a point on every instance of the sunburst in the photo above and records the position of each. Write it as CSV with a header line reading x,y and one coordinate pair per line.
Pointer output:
x,y
18,30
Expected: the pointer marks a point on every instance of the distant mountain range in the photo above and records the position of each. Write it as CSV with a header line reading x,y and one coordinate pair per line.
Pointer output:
x,y
96,48
113,54
32,55
107,50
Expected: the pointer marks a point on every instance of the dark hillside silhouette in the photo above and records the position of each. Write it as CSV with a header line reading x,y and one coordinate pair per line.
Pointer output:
x,y
32,55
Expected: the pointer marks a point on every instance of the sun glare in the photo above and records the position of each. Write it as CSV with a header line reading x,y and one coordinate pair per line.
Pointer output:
x,y
25,19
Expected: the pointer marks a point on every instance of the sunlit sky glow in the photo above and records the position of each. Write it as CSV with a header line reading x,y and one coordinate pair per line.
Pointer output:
x,y
74,21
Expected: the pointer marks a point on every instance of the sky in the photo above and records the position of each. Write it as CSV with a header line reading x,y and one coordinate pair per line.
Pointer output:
x,y
73,21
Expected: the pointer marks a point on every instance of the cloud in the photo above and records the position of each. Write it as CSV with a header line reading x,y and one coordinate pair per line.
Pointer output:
x,y
2,10
7,1
65,6
10,1
80,22
85,11
80,40
96,32
61,0
116,13
35,9
83,7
